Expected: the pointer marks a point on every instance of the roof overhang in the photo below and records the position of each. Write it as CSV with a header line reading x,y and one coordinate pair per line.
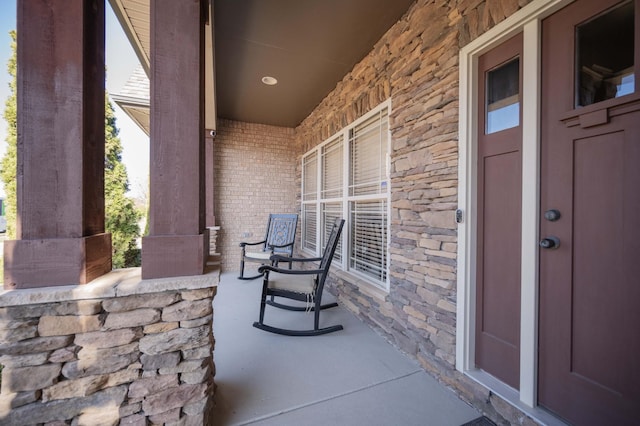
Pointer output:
x,y
309,46
134,18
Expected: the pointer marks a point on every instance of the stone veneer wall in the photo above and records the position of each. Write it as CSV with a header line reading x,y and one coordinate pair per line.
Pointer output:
x,y
116,350
415,64
255,175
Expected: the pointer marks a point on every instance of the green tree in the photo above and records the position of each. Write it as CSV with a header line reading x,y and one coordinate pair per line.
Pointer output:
x,y
9,161
121,216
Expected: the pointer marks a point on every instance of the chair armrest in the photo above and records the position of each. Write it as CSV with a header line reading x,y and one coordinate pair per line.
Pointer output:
x,y
265,268
252,244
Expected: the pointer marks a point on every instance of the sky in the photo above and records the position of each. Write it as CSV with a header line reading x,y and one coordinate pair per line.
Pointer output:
x,y
121,61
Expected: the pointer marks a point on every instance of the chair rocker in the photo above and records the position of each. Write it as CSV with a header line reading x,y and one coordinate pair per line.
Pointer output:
x,y
301,285
279,239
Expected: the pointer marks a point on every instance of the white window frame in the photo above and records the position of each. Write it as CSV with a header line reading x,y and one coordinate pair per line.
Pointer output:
x,y
528,22
342,261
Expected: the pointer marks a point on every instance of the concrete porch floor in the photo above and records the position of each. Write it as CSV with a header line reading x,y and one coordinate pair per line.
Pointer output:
x,y
350,377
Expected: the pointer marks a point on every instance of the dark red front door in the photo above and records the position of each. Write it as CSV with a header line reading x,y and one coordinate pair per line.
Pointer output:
x,y
589,330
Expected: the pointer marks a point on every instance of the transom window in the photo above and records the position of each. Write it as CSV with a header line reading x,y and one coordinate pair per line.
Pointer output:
x,y
347,177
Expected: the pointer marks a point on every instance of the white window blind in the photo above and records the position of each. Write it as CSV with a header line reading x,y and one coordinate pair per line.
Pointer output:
x,y
310,177
309,221
368,155
368,254
331,212
309,203
332,169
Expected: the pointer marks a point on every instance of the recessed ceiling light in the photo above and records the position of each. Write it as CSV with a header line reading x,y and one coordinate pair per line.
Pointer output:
x,y
269,81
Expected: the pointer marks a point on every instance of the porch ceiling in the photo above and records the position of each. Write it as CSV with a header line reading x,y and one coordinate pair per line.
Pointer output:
x,y
308,46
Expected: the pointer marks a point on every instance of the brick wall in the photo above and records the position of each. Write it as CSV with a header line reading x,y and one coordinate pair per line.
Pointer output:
x,y
254,175
416,65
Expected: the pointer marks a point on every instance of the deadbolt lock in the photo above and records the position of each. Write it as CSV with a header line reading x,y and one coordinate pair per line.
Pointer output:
x,y
552,215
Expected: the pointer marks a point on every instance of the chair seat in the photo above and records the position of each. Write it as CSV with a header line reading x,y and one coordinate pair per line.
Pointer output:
x,y
303,284
258,255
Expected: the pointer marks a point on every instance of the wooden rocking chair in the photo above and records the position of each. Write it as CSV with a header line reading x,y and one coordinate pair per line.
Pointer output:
x,y
301,285
279,239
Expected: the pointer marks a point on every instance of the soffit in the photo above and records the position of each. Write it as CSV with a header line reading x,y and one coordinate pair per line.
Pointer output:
x,y
309,46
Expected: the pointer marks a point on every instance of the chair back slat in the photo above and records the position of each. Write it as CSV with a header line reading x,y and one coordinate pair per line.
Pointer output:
x,y
281,230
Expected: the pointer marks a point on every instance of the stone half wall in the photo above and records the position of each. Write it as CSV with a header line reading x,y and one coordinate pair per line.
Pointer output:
x,y
255,175
119,350
415,64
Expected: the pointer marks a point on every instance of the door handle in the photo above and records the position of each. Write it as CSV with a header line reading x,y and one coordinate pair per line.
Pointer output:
x,y
550,243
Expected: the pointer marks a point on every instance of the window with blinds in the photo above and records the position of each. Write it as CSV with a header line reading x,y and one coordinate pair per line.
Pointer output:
x,y
368,253
332,154
309,223
310,177
368,155
347,177
331,212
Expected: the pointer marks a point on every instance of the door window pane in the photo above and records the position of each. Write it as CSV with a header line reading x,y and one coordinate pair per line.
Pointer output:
x,y
604,56
503,97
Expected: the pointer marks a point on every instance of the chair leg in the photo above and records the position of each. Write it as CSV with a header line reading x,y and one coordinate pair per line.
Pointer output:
x,y
263,302
241,268
242,277
316,314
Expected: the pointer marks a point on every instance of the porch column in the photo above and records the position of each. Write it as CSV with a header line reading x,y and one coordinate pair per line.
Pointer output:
x,y
60,176
210,117
178,242
210,180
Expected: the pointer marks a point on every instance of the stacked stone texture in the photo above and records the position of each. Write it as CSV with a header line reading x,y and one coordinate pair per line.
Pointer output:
x,y
415,64
143,359
255,171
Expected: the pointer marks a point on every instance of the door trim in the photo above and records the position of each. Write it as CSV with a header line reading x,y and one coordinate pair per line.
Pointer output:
x,y
528,21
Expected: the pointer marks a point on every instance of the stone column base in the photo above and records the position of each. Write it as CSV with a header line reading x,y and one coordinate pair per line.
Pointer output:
x,y
119,350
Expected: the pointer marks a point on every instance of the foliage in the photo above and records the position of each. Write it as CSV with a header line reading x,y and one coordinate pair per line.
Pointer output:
x,y
121,216
9,161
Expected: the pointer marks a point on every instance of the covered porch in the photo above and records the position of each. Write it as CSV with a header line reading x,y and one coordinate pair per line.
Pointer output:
x,y
409,112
